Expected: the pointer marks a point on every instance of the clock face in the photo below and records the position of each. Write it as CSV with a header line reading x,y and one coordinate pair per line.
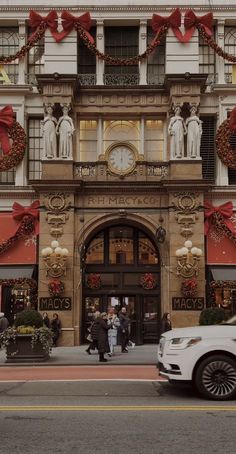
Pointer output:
x,y
121,159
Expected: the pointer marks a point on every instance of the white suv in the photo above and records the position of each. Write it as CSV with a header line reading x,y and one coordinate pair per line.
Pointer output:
x,y
203,355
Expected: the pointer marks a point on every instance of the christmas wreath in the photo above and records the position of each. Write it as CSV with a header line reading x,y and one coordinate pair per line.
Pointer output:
x,y
94,281
11,129
148,281
223,147
189,288
56,287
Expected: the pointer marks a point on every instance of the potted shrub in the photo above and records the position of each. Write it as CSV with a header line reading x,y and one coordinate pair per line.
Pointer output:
x,y
28,340
212,316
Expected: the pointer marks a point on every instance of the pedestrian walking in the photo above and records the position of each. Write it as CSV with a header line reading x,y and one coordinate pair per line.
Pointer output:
x,y
114,323
166,323
46,320
124,329
93,334
102,336
56,328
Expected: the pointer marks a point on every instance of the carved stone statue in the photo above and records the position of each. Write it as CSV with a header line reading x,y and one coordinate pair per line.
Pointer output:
x,y
65,129
177,130
194,130
48,130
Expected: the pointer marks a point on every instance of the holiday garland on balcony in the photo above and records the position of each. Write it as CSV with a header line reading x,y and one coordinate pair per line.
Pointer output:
x,y
82,25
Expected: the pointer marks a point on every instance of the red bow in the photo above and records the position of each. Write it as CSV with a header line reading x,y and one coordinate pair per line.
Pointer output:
x,y
232,120
191,21
173,21
33,210
69,22
6,121
226,211
50,20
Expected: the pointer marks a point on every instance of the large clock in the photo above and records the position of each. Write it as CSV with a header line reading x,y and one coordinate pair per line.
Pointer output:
x,y
121,159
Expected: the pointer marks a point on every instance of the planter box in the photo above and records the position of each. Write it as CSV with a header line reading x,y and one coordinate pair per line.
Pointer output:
x,y
21,350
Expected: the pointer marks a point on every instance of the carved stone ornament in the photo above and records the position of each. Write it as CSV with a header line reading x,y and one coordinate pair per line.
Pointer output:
x,y
186,205
57,205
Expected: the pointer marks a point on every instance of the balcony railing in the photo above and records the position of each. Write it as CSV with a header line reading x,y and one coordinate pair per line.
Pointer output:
x,y
121,79
87,79
99,171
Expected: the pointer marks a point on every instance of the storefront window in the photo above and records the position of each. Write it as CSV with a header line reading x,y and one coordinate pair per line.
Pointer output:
x,y
95,250
92,305
150,308
146,251
121,246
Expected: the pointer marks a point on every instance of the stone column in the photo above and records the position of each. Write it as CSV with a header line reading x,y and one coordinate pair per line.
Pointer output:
x,y
100,137
61,57
220,63
142,136
101,48
182,58
23,61
142,47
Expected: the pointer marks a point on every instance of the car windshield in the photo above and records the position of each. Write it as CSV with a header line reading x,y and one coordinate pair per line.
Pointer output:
x,y
231,321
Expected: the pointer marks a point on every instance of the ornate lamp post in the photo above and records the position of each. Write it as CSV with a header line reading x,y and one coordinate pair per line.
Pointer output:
x,y
55,259
188,260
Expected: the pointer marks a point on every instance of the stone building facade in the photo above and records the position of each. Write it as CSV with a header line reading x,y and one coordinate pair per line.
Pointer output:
x,y
113,189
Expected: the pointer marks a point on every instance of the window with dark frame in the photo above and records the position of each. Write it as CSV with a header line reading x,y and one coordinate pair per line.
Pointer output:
x,y
86,62
121,42
35,148
207,61
230,48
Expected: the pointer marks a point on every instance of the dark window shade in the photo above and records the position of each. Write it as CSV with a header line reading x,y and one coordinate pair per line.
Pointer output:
x,y
86,58
232,172
207,150
121,42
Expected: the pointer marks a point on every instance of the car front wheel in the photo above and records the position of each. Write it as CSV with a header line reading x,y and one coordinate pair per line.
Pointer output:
x,y
215,378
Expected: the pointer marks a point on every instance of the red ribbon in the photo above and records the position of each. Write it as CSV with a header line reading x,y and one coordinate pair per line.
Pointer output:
x,y
69,22
191,21
18,213
6,121
173,21
232,120
226,211
50,20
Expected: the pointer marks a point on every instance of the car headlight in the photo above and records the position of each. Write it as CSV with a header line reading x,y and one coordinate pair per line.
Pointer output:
x,y
179,343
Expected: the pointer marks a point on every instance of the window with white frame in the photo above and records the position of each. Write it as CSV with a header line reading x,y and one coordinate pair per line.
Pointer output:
x,y
88,140
153,140
207,58
35,148
9,45
36,61
121,131
155,61
230,48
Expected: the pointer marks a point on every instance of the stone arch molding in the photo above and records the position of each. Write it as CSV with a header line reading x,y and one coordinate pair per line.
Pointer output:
x,y
99,222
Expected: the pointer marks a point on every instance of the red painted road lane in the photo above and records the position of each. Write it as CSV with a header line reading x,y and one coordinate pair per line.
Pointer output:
x,y
40,373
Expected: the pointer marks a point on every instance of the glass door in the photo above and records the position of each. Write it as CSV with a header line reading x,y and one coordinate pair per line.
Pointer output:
x,y
151,318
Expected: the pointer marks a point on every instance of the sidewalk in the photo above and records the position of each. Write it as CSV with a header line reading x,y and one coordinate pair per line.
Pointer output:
x,y
77,356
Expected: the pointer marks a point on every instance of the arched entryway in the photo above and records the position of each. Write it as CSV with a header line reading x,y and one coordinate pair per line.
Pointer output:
x,y
122,268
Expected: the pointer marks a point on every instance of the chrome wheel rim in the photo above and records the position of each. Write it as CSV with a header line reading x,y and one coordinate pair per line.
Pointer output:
x,y
219,378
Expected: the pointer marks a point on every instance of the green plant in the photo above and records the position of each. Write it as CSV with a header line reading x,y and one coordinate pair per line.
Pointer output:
x,y
212,316
44,336
29,318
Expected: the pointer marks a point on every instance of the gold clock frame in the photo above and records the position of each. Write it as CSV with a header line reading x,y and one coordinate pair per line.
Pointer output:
x,y
131,148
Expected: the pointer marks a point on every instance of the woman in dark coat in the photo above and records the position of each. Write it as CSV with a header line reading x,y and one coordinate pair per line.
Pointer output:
x,y
102,336
56,328
166,323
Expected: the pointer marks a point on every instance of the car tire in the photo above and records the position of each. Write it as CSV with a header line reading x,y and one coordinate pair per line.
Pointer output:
x,y
215,377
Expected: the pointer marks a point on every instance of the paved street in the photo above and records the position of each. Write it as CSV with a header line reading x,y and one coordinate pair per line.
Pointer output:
x,y
112,417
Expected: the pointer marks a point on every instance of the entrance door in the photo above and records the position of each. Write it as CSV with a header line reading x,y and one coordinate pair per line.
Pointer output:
x,y
143,311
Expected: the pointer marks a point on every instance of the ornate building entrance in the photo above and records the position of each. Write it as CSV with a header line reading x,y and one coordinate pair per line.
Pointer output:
x,y
122,268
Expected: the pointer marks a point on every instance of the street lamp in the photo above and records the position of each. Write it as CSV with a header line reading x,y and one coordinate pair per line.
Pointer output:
x,y
188,260
55,259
